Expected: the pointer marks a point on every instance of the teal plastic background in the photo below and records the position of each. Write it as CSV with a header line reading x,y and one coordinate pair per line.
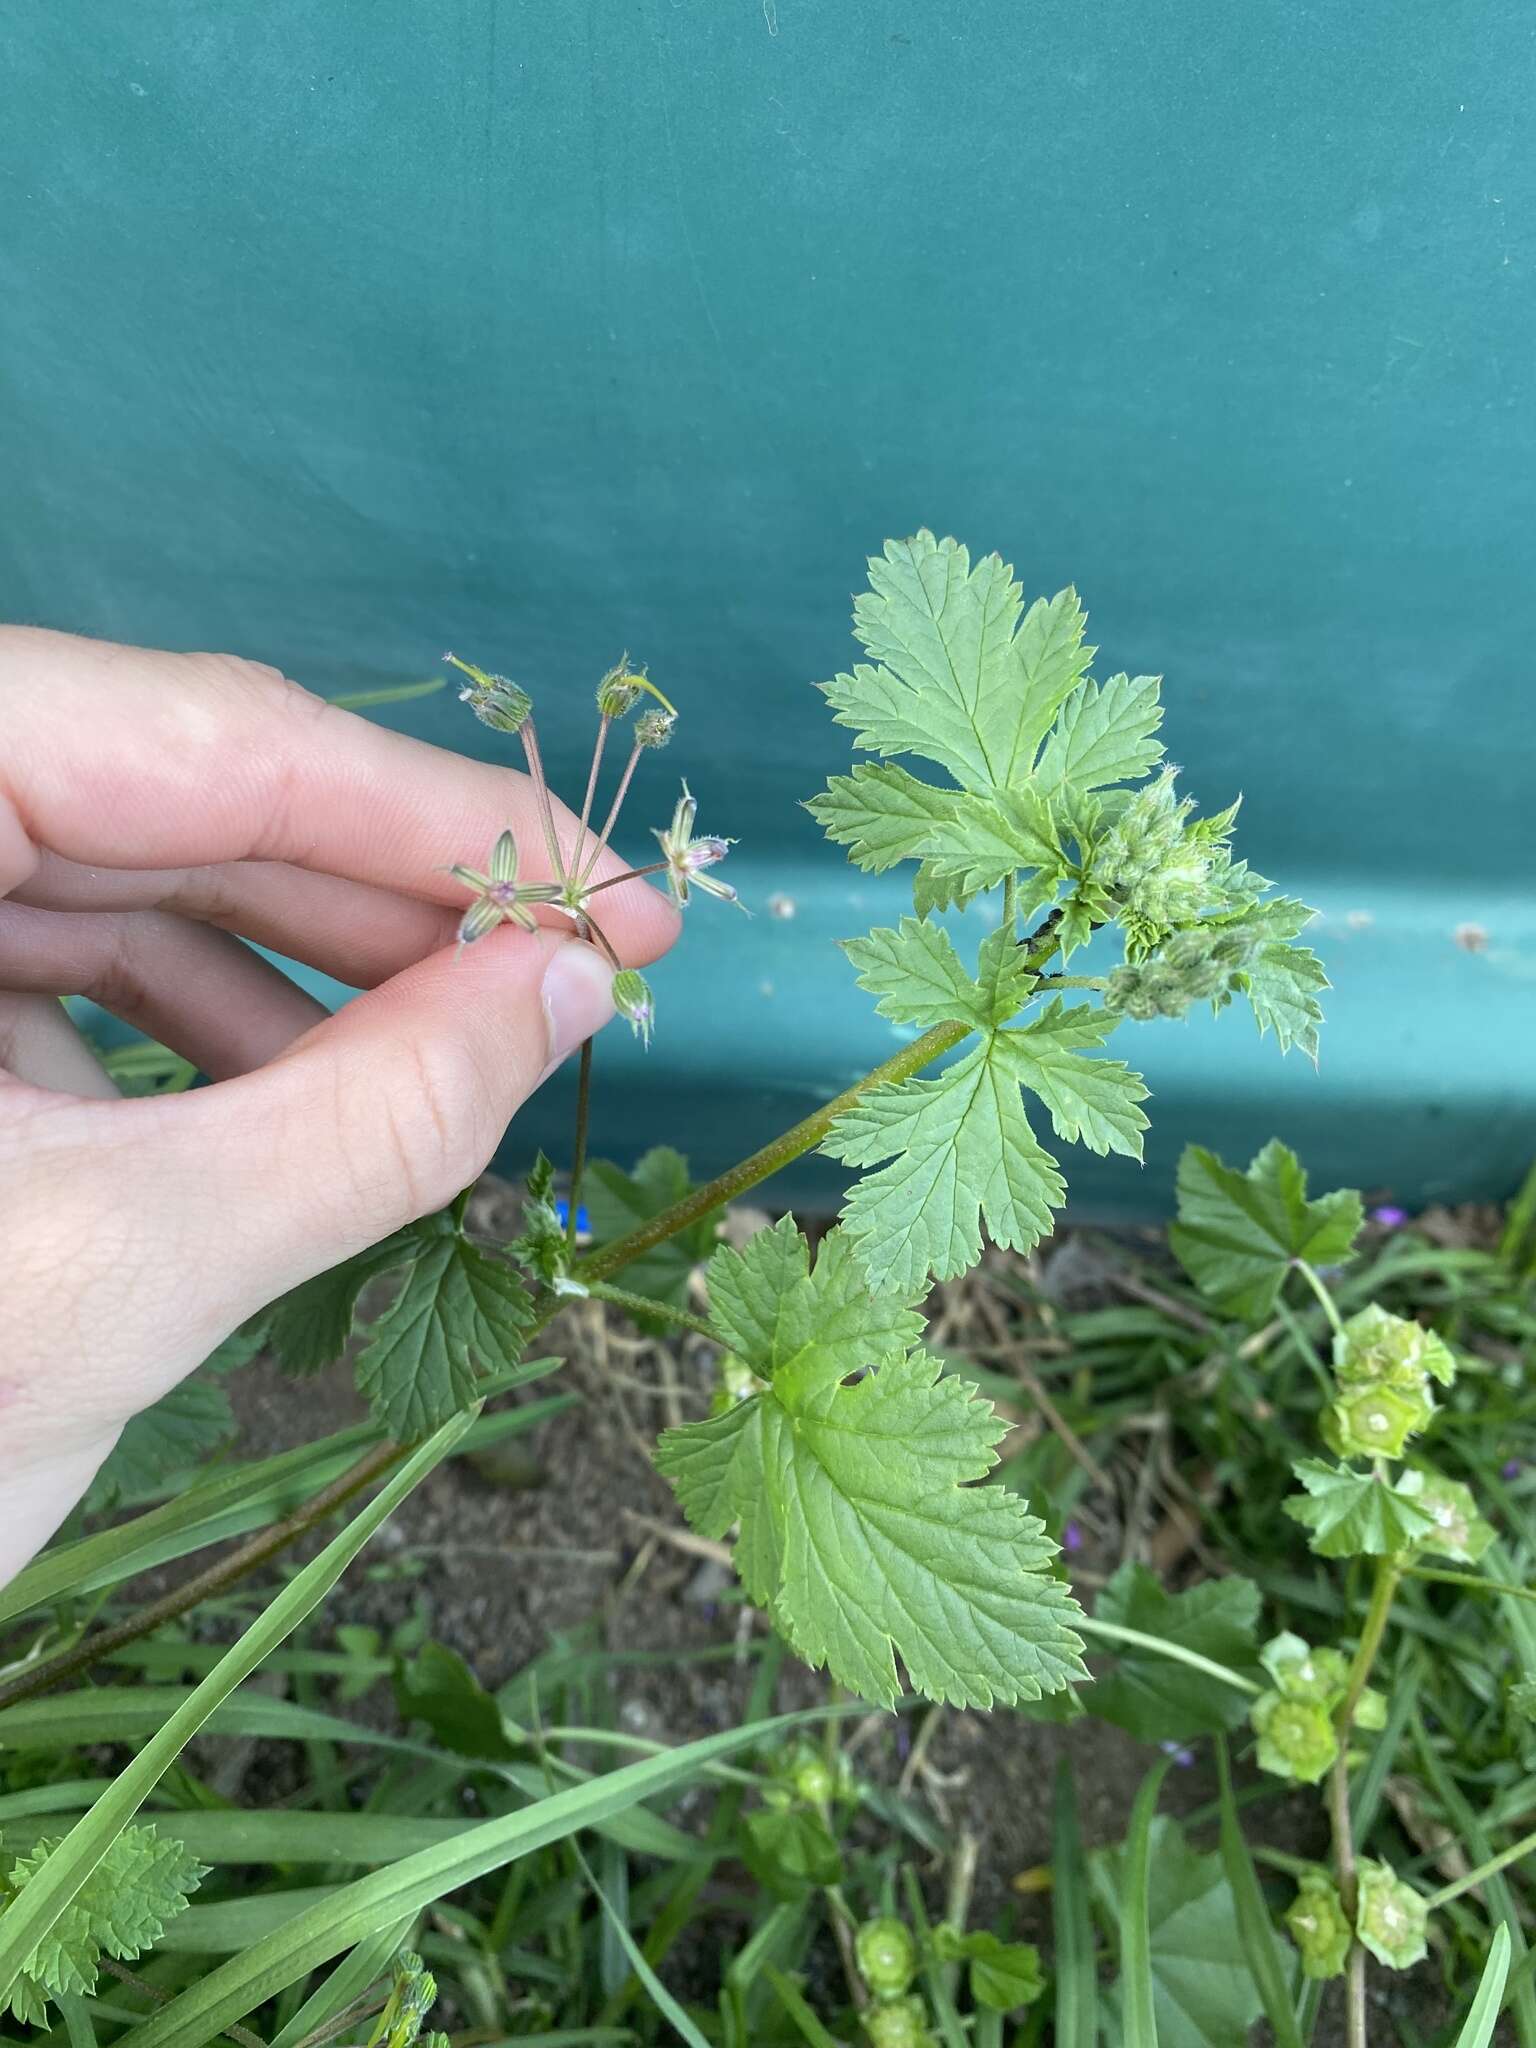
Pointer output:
x,y
336,334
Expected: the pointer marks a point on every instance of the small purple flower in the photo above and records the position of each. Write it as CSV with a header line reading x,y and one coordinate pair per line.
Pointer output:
x,y
1179,1753
1071,1538
1389,1216
1512,1468
903,1741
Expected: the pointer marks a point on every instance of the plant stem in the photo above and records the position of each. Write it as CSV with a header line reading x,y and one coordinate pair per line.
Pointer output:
x,y
602,939
1473,1878
642,1305
613,811
233,2032
1112,1632
1388,1575
653,867
1095,981
799,1139
579,1142
1315,1281
1470,1582
1011,905
792,1144
215,1579
530,740
586,803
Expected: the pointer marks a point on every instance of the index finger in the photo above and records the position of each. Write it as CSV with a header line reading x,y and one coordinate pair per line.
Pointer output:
x,y
122,757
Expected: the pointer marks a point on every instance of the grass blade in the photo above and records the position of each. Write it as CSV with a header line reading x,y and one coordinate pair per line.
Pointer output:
x,y
1136,1984
358,1910
788,1995
1077,1977
48,1895
1261,1946
661,1997
1482,2015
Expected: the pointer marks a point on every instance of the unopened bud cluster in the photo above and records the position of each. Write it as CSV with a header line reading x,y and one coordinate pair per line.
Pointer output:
x,y
1195,966
1390,1921
1383,1365
1295,1720
887,1958
1158,864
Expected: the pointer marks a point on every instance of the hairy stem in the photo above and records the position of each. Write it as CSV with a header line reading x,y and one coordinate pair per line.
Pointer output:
x,y
579,1142
792,1144
153,1992
586,803
653,867
799,1139
1388,1575
613,811
1470,1582
642,1305
531,754
217,1578
1314,1280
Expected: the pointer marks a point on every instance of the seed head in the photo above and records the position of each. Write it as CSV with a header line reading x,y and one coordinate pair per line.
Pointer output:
x,y
619,691
654,728
495,700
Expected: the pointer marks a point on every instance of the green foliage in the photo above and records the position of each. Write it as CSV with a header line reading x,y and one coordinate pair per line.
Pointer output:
x,y
1356,1514
140,1884
619,1202
1149,1694
456,1313
962,676
859,1528
1239,1233
1204,1995
189,1423
1003,1974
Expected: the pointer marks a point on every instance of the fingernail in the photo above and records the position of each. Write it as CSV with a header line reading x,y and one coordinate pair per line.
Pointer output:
x,y
577,996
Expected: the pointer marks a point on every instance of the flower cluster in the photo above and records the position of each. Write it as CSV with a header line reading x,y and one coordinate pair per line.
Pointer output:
x,y
1383,1365
1390,1921
1295,1719
498,897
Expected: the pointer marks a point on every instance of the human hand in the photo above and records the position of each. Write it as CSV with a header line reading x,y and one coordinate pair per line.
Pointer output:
x,y
152,806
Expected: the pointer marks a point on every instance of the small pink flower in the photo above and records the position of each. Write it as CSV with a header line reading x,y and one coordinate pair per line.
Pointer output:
x,y
687,857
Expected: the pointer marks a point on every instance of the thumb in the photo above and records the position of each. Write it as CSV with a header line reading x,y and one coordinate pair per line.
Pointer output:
x,y
385,1111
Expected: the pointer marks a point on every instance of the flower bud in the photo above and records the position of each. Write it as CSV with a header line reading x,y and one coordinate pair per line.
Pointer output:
x,y
886,1956
1296,1737
1460,1531
1379,1349
898,2023
619,691
495,700
1319,1928
1374,1421
1390,1916
1320,1677
632,999
813,1780
654,728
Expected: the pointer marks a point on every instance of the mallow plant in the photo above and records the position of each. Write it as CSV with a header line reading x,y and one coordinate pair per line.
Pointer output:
x,y
845,1459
